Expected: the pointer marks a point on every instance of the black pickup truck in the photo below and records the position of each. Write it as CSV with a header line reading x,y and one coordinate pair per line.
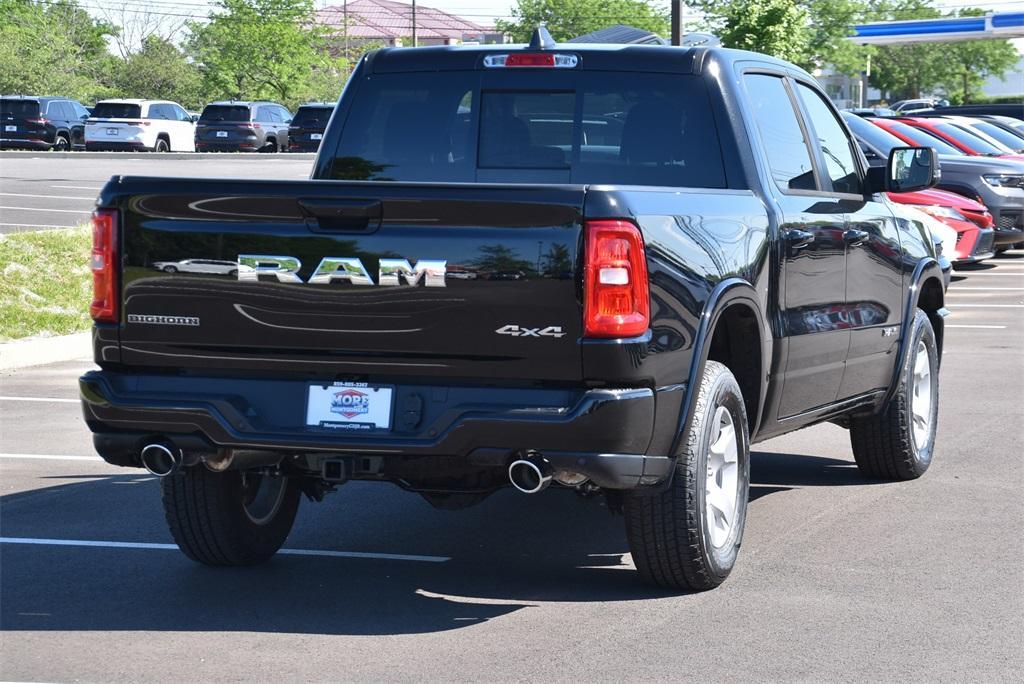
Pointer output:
x,y
608,268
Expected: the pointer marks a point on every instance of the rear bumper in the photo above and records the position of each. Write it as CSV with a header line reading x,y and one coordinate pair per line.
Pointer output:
x,y
24,144
122,146
245,146
601,433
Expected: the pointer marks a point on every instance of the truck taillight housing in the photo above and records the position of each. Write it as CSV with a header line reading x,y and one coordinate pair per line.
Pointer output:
x,y
104,266
616,300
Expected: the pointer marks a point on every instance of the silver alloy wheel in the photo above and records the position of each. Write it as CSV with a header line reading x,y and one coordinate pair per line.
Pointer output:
x,y
262,496
921,397
721,489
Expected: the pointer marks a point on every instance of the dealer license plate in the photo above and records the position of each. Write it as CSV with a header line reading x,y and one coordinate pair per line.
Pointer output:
x,y
222,134
111,131
349,406
10,129
316,136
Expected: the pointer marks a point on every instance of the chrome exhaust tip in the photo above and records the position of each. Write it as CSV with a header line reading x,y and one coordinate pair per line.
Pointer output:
x,y
530,475
161,459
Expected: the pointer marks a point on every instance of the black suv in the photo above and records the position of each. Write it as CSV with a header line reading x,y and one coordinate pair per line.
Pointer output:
x,y
47,123
243,127
308,126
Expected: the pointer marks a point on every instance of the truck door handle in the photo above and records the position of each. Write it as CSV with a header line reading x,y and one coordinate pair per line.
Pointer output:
x,y
855,237
798,239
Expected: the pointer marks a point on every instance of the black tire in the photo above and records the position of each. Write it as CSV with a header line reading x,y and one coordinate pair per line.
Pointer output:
x,y
233,273
269,147
885,446
161,146
209,518
669,532
61,144
170,269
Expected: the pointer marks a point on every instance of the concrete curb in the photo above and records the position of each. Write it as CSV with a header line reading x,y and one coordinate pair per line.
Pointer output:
x,y
37,351
30,154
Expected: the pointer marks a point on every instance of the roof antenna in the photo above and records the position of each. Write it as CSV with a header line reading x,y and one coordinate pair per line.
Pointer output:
x,y
541,39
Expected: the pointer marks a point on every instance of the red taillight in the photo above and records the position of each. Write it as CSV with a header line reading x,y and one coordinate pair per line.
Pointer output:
x,y
104,266
616,298
251,124
39,120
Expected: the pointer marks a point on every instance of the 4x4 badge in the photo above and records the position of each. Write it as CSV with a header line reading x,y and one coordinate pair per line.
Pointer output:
x,y
517,331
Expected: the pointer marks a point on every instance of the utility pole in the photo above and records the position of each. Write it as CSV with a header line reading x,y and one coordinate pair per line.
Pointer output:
x,y
415,40
677,22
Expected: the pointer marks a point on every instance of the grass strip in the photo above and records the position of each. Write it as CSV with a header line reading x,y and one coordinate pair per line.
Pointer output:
x,y
45,282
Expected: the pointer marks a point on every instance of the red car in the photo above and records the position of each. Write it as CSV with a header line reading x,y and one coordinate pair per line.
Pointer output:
x,y
970,220
962,139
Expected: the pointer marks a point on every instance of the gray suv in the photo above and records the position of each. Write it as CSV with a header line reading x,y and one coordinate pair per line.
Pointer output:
x,y
997,183
243,127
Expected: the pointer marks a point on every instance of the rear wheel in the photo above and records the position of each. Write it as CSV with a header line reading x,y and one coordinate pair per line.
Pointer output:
x,y
170,269
270,146
688,536
230,518
61,144
898,444
161,146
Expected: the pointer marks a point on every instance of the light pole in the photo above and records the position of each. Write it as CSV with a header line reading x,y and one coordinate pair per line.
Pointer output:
x,y
415,40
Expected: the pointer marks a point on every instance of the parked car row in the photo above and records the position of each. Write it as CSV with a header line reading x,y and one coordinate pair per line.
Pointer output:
x,y
980,196
52,123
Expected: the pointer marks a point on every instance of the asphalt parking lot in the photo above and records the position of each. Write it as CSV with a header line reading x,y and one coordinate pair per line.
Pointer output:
x,y
42,190
839,577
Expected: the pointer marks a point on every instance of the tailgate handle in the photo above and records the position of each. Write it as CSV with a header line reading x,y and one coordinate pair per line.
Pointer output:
x,y
340,215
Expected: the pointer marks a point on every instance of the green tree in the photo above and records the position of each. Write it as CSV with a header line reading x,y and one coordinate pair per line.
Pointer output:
x,y
969,63
959,68
567,19
159,70
780,28
254,49
831,23
53,48
906,71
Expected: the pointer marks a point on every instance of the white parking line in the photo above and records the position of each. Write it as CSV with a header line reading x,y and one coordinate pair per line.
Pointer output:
x,y
63,197
986,327
62,211
173,547
51,457
46,399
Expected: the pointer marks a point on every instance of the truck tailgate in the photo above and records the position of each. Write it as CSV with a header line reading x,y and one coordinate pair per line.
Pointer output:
x,y
208,282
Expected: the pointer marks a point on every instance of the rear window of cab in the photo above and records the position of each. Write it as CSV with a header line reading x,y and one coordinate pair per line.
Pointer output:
x,y
117,110
19,109
531,126
224,113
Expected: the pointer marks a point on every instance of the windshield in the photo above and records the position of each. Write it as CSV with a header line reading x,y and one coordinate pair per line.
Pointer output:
x,y
923,138
117,110
969,139
19,109
1013,142
876,137
531,127
225,113
313,116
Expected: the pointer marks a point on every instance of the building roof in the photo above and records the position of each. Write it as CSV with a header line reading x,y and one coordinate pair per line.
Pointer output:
x,y
386,19
620,34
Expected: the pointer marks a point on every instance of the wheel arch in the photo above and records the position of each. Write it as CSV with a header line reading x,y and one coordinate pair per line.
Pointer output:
x,y
732,324
927,293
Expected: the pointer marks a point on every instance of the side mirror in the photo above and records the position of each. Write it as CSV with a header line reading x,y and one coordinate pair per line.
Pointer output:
x,y
194,117
83,117
911,168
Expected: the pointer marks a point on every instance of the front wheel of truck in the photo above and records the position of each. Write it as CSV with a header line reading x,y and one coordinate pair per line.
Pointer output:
x,y
232,518
688,536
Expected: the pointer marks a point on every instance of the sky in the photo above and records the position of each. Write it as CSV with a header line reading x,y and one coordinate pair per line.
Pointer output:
x,y
478,11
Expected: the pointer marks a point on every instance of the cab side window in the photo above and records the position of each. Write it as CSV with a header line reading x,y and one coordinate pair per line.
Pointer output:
x,y
836,147
788,156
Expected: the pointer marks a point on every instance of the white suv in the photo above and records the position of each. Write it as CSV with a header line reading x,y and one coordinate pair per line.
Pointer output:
x,y
133,125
